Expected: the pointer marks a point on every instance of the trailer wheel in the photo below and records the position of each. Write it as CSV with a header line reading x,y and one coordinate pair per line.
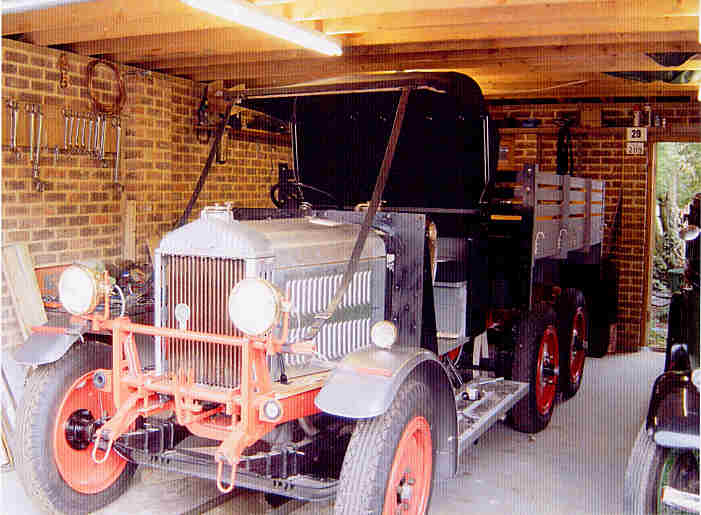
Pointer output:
x,y
55,459
572,332
388,466
536,362
650,469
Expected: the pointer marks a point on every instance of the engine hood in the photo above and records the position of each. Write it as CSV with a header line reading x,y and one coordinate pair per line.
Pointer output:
x,y
291,242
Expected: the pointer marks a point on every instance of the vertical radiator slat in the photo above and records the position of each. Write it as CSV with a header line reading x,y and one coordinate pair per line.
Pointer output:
x,y
203,284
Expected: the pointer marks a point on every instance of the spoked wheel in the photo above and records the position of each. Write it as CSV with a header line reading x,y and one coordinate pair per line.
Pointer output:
x,y
536,361
60,411
388,466
650,469
572,329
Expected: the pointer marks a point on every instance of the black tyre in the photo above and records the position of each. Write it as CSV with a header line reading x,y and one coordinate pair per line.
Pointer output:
x,y
650,469
536,362
58,474
572,336
389,463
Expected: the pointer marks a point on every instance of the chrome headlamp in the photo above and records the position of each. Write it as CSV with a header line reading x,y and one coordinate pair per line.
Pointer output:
x,y
255,306
384,334
79,289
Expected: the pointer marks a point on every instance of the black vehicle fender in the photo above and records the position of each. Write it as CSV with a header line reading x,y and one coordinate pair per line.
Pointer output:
x,y
42,348
366,381
673,414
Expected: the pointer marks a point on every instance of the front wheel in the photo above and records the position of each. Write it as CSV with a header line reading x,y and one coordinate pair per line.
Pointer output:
x,y
650,469
59,405
388,467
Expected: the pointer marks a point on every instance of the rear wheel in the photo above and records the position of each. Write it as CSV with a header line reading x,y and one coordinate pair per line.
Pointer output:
x,y
388,467
55,453
572,332
536,362
650,469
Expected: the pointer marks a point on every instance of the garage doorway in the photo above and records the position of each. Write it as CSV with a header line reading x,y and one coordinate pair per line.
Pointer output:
x,y
676,179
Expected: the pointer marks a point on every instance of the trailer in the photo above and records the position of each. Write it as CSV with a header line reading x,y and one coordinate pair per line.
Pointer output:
x,y
402,299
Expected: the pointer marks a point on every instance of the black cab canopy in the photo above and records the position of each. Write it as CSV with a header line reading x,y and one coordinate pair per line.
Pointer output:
x,y
343,125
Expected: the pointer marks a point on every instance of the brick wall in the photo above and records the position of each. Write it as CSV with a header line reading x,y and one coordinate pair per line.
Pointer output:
x,y
599,153
79,215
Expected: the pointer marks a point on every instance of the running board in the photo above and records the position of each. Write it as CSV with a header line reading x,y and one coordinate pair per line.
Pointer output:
x,y
493,399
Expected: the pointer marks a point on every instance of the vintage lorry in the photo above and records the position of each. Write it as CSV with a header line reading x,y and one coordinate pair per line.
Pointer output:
x,y
352,343
663,469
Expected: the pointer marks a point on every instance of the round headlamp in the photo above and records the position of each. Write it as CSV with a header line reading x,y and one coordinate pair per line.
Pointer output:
x,y
254,306
383,334
79,289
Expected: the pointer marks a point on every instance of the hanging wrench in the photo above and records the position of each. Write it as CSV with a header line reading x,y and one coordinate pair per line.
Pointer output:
x,y
82,133
38,184
31,109
117,124
66,113
14,106
96,148
102,139
70,131
90,129
76,141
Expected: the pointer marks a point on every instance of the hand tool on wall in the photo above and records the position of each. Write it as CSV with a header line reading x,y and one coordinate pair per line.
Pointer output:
x,y
91,122
102,139
14,108
82,132
96,139
76,134
70,131
117,124
31,109
66,114
36,181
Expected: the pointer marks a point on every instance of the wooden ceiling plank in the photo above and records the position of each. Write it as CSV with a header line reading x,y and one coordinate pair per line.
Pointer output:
x,y
630,55
500,63
556,27
110,28
202,41
686,41
85,13
580,11
316,10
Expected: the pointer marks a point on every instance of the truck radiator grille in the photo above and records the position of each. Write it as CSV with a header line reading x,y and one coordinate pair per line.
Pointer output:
x,y
203,284
349,330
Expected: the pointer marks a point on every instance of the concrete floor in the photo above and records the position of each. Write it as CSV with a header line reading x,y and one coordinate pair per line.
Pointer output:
x,y
575,466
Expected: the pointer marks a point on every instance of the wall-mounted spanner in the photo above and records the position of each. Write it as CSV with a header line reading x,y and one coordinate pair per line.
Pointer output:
x,y
14,110
36,181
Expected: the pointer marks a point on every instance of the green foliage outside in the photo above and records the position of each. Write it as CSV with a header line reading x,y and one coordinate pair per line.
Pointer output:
x,y
678,179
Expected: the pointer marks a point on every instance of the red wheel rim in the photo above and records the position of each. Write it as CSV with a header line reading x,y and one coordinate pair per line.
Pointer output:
x,y
409,481
577,352
546,380
76,466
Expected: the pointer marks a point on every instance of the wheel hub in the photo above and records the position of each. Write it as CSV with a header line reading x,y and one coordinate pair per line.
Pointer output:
x,y
80,429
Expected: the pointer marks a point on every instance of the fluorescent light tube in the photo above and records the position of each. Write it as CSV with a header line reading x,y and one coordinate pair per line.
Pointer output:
x,y
244,13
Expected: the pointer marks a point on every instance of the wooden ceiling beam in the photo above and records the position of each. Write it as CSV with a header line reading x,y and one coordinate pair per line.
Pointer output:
x,y
184,61
608,56
684,41
500,63
583,12
202,41
316,10
569,27
110,28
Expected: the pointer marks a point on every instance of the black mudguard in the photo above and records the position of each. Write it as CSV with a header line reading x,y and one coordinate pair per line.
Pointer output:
x,y
673,415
